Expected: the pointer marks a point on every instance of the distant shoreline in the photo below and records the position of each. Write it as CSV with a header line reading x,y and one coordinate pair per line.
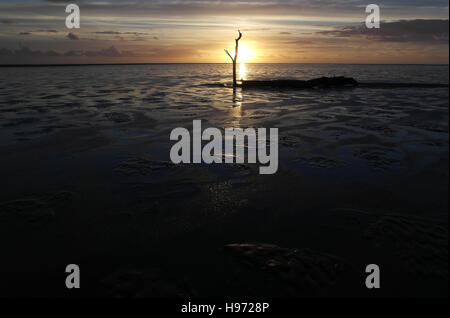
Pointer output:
x,y
116,64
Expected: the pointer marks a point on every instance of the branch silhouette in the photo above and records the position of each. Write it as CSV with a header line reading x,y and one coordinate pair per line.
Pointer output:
x,y
226,51
234,60
240,35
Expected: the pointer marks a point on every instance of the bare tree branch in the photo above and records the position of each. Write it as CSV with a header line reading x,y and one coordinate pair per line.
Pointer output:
x,y
240,35
226,51
234,59
236,48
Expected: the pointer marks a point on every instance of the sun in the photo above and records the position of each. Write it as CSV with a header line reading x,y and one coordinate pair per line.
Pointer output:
x,y
245,53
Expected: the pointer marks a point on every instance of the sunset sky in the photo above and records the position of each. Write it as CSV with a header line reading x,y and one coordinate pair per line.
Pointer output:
x,y
278,31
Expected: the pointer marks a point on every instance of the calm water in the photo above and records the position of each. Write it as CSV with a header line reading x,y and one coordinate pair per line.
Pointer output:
x,y
39,100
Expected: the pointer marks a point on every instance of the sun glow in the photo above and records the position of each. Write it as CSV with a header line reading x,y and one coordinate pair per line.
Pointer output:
x,y
245,53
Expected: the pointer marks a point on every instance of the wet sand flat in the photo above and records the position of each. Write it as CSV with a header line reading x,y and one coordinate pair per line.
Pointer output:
x,y
87,179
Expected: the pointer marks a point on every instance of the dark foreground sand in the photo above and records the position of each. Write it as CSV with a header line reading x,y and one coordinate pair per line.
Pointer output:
x,y
140,226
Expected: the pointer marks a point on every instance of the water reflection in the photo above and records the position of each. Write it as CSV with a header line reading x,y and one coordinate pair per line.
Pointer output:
x,y
236,109
242,71
237,97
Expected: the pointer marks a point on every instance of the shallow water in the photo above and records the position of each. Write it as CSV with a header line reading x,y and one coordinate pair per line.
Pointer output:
x,y
40,100
132,102
350,132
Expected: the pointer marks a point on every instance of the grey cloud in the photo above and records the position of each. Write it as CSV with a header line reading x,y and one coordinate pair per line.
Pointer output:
x,y
65,1
107,32
26,52
327,8
135,33
46,31
8,21
72,36
325,3
117,33
111,51
426,31
255,29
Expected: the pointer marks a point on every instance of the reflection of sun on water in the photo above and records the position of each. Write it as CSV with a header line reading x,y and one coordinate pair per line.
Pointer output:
x,y
242,71
245,55
236,109
237,99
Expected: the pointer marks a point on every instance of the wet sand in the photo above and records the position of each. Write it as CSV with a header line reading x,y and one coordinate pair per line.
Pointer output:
x,y
363,178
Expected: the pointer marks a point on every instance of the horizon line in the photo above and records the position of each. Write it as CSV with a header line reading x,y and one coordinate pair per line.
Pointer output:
x,y
202,63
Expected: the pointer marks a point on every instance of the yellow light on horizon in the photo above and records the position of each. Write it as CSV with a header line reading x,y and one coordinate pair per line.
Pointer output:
x,y
245,53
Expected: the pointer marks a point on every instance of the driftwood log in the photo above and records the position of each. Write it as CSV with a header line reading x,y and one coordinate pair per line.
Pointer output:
x,y
329,82
323,82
